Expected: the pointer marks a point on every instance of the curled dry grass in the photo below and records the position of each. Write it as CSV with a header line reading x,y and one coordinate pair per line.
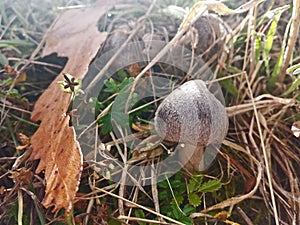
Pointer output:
x,y
263,131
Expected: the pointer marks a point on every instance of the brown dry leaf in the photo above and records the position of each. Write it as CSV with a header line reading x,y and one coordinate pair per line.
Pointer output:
x,y
22,176
74,35
25,142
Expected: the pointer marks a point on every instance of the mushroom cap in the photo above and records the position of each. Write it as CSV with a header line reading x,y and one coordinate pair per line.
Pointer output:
x,y
191,114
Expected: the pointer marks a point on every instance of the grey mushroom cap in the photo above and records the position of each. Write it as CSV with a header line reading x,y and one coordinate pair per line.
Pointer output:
x,y
191,114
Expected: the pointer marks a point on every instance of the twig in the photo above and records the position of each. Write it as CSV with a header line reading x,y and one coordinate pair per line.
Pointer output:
x,y
15,108
31,61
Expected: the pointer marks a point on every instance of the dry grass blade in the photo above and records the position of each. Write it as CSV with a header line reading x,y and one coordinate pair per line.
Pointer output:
x,y
259,104
218,7
155,191
140,206
293,34
244,216
265,154
136,219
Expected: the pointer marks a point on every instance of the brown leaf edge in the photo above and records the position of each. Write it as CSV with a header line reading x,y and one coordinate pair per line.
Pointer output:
x,y
62,165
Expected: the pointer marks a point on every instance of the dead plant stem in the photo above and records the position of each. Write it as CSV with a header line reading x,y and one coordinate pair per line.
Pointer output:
x,y
266,159
291,41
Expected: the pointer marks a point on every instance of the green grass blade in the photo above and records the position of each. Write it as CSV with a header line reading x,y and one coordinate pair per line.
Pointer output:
x,y
11,47
293,69
3,60
258,46
279,62
19,43
293,87
271,34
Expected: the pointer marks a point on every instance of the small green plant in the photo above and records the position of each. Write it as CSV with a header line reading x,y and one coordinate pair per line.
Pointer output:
x,y
115,95
179,199
112,89
140,214
8,91
70,84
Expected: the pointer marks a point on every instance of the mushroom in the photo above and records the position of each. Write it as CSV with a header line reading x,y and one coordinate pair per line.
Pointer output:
x,y
191,114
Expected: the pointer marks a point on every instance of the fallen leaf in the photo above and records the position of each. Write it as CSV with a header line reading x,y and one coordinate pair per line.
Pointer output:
x,y
62,160
25,142
10,70
22,176
74,35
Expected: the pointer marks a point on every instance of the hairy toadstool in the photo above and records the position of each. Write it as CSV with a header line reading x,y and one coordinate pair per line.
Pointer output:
x,y
191,114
